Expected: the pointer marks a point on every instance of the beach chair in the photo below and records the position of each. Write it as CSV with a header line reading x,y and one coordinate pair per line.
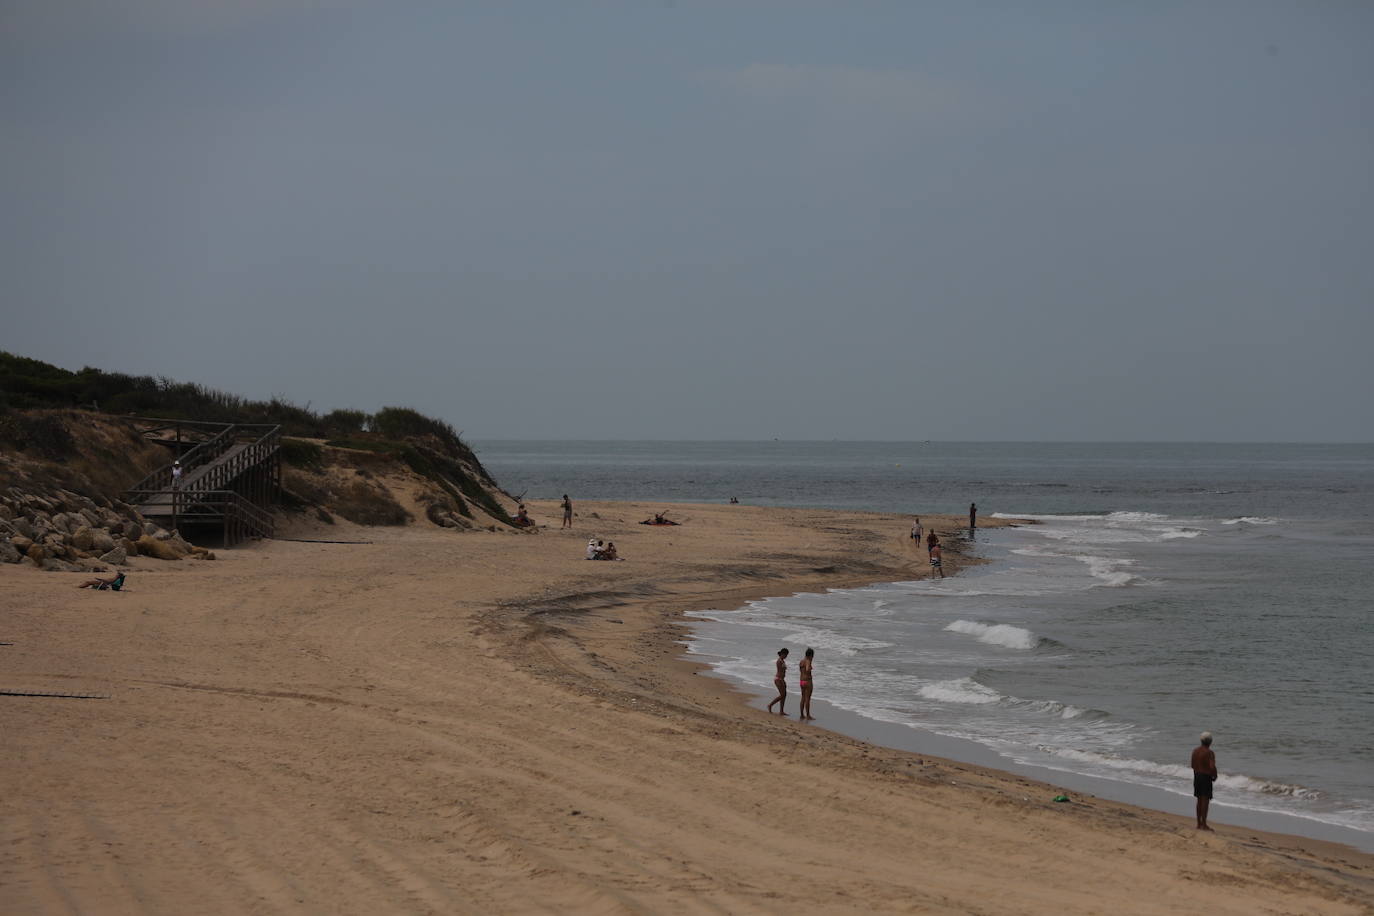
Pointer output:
x,y
113,585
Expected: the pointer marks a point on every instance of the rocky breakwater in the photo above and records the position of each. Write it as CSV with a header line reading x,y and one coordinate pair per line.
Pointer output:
x,y
62,531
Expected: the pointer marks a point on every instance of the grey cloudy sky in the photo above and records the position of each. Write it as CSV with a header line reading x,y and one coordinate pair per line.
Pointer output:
x,y
1019,220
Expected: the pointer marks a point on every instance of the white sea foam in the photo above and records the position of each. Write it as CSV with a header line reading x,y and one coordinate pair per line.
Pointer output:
x,y
1251,520
1053,708
996,634
960,690
1109,571
1172,771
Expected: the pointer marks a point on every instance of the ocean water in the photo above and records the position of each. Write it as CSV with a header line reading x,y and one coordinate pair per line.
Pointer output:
x,y
1166,589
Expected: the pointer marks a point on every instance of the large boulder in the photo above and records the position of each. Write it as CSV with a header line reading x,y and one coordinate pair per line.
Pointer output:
x,y
133,531
36,553
129,547
101,541
82,537
149,546
21,543
23,526
116,557
9,553
59,566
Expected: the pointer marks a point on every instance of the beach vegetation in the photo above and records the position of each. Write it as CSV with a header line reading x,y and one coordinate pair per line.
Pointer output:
x,y
430,447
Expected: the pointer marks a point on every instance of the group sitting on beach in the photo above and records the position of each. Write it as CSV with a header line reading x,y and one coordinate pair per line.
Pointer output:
x,y
601,550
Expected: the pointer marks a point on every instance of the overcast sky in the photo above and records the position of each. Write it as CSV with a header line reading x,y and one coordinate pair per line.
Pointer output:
x,y
1021,220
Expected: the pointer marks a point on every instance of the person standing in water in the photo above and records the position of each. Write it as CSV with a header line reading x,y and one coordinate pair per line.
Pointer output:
x,y
567,511
780,681
804,669
1204,765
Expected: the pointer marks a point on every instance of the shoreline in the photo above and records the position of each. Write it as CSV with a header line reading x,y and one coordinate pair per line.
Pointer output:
x,y
1158,801
924,741
487,721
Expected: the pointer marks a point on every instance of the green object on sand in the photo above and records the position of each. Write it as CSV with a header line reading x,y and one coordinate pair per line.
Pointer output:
x,y
1061,798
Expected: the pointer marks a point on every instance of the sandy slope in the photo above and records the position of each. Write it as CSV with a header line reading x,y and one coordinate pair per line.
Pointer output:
x,y
449,723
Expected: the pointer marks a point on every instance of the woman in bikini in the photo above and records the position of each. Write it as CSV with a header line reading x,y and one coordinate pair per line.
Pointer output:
x,y
804,669
780,681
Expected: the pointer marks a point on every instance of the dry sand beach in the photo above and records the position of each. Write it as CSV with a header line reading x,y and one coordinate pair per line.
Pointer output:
x,y
488,723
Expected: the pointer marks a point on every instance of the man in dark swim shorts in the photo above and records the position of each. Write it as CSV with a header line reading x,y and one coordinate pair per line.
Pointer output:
x,y
1204,765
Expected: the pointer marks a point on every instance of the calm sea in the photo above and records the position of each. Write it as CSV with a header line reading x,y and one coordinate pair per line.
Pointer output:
x,y
1170,588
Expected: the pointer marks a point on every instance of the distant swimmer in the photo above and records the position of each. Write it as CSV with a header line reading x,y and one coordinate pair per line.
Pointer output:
x,y
807,682
567,511
780,681
1204,765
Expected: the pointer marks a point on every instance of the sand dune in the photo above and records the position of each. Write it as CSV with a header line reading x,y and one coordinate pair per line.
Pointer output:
x,y
489,723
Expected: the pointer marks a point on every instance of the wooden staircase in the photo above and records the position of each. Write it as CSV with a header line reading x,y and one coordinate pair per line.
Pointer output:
x,y
229,480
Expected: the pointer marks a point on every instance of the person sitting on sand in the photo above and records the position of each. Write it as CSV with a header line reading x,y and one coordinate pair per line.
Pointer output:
x,y
593,548
114,583
780,681
804,670
522,518
610,552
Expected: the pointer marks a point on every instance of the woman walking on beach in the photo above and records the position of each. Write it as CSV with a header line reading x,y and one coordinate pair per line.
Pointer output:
x,y
780,681
567,511
804,669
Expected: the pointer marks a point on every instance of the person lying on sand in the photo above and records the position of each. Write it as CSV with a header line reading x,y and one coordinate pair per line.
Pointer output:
x,y
114,582
659,519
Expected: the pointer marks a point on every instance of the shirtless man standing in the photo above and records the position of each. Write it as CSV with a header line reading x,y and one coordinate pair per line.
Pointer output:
x,y
1204,774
